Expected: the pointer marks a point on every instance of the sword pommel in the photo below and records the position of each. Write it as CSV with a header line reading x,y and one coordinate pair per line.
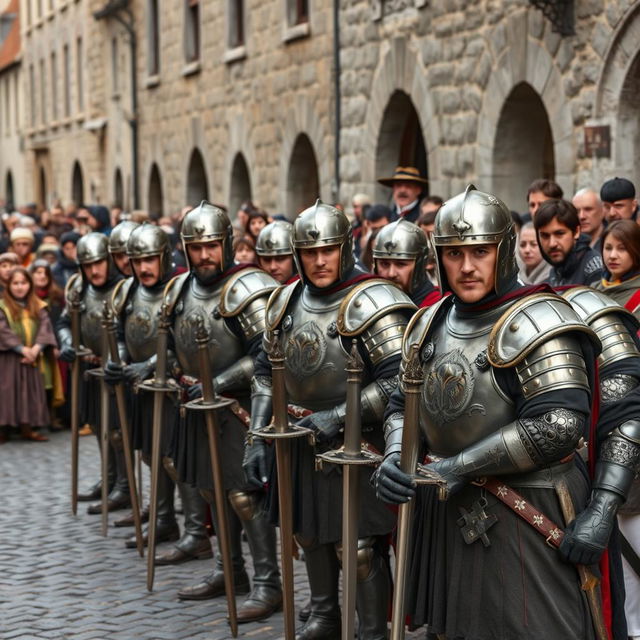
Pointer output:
x,y
107,314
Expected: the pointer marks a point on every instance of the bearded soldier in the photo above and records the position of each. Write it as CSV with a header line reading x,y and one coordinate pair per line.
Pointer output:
x,y
614,453
318,316
137,303
230,300
275,255
505,400
400,253
94,285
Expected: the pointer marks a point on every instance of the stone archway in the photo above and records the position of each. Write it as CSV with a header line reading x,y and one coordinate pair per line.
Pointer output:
x,y
9,195
400,80
240,188
400,141
303,184
523,146
155,202
77,184
118,189
518,60
628,126
197,183
616,104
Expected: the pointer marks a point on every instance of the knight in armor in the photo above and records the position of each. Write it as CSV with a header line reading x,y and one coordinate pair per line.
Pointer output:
x,y
118,246
137,303
400,254
317,317
95,284
504,403
230,299
275,254
614,451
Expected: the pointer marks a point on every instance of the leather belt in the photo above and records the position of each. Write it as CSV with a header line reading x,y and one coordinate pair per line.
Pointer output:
x,y
524,509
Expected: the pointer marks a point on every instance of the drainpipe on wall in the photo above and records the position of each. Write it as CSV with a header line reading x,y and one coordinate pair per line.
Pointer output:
x,y
337,70
112,10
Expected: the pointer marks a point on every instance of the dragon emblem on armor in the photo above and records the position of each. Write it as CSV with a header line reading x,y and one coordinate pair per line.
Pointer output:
x,y
140,326
305,351
187,331
448,388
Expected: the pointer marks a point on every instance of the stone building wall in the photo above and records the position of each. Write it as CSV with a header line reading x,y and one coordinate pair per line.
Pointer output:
x,y
484,92
459,63
241,110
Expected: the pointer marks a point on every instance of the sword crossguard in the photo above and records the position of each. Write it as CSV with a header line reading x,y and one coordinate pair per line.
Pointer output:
x,y
426,476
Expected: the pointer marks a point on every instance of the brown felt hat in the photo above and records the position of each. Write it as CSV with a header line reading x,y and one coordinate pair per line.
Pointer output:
x,y
407,174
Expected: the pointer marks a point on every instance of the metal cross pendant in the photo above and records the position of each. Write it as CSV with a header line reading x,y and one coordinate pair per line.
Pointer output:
x,y
474,524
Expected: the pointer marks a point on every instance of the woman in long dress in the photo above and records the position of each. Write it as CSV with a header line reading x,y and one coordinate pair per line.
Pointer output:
x,y
25,335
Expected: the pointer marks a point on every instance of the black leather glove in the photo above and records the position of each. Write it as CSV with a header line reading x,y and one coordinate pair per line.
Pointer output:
x,y
194,391
113,373
392,485
326,424
586,538
67,353
449,469
137,371
255,463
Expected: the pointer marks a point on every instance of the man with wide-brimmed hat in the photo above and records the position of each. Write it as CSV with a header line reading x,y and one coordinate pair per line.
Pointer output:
x,y
407,185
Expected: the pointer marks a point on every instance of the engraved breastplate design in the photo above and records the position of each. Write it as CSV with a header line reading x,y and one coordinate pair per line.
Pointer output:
x,y
314,357
141,322
91,317
461,402
224,346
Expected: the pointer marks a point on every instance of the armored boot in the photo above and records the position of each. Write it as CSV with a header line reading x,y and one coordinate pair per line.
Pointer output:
x,y
213,585
194,543
266,595
95,491
373,590
119,495
167,529
323,571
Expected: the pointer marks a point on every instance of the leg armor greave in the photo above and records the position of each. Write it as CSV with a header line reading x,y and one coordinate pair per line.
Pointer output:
x,y
266,595
373,590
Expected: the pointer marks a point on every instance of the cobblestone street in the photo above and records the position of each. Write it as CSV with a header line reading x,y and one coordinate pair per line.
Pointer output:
x,y
60,579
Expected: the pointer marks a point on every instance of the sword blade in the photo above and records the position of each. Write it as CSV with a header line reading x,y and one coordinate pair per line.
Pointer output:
x,y
283,464
350,503
158,399
126,438
285,496
104,441
412,378
351,492
75,387
224,539
128,461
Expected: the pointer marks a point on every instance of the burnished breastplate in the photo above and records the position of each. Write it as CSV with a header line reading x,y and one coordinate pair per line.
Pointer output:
x,y
91,310
141,314
461,401
314,356
224,346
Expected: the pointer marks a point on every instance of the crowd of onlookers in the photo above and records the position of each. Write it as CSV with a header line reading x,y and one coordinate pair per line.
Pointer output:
x,y
591,239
